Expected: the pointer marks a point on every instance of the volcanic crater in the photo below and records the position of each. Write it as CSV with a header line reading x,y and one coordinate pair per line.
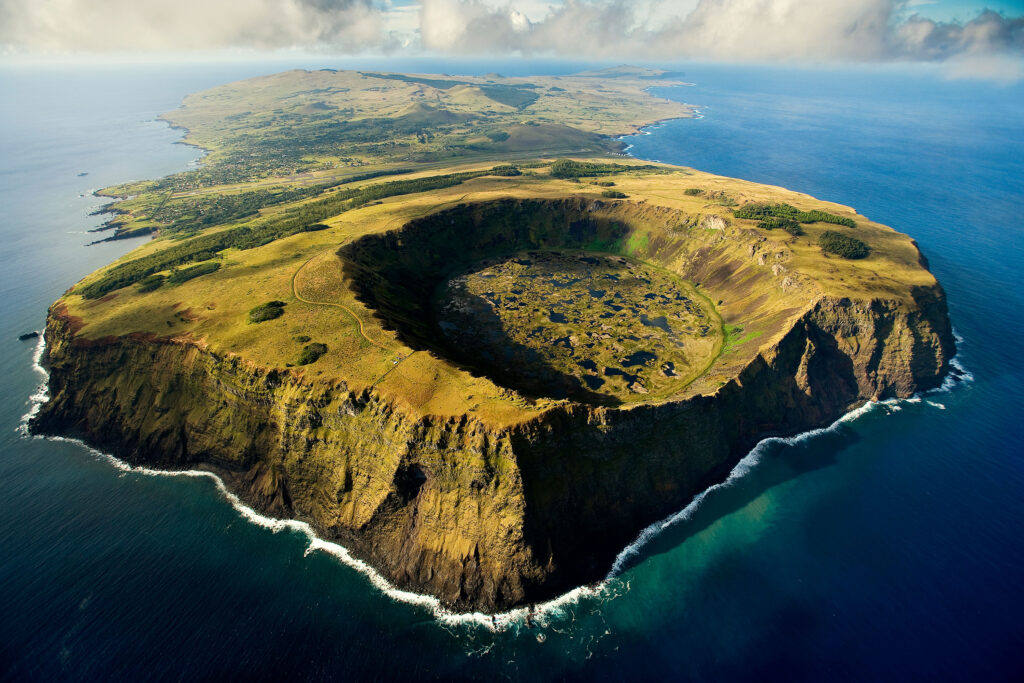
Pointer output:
x,y
538,297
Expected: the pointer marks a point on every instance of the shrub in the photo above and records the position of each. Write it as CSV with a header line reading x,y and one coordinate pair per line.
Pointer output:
x,y
185,274
302,339
267,311
693,191
614,194
152,282
833,242
497,135
311,353
506,170
567,168
817,216
787,224
761,211
264,230
603,183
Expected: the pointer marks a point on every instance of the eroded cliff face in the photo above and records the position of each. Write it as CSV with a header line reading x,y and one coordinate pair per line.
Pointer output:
x,y
483,518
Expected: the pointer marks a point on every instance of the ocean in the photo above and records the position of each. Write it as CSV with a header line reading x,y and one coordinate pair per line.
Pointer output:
x,y
890,546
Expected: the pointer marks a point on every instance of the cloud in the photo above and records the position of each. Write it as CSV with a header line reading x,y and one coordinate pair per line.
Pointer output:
x,y
775,30
989,45
188,25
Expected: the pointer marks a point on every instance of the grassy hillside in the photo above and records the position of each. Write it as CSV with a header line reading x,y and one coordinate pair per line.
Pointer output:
x,y
756,278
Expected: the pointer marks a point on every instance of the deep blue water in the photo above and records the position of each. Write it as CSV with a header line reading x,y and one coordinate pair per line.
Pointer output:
x,y
891,547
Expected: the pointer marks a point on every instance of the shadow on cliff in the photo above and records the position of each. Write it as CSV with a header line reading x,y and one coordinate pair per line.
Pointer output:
x,y
779,463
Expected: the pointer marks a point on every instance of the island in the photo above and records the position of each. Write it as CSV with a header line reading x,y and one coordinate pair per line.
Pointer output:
x,y
445,321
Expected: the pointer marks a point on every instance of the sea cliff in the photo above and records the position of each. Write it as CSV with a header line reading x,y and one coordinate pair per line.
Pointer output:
x,y
482,516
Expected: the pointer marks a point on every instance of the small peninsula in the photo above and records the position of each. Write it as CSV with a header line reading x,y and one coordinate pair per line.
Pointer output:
x,y
446,321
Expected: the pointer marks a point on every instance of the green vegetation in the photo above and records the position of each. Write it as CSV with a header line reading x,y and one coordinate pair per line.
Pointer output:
x,y
360,177
439,83
589,326
302,218
192,214
267,311
506,170
762,211
151,283
378,267
185,274
518,96
734,337
567,168
311,353
787,224
497,135
332,122
614,194
833,242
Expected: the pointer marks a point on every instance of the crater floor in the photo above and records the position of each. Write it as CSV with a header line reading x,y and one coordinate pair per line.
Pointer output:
x,y
589,326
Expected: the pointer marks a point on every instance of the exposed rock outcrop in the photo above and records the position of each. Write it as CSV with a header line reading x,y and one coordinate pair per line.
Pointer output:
x,y
483,518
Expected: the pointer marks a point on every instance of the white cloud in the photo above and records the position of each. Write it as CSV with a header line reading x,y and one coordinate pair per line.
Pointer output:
x,y
187,25
658,30
777,30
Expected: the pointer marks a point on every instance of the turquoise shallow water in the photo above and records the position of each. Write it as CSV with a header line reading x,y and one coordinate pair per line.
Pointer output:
x,y
889,547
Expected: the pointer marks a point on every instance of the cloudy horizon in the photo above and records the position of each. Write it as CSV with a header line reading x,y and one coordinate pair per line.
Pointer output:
x,y
972,39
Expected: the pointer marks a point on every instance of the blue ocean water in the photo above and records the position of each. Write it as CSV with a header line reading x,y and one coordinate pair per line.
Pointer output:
x,y
889,547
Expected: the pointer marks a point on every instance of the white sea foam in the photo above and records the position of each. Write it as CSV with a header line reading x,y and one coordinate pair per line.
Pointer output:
x,y
742,468
540,614
42,393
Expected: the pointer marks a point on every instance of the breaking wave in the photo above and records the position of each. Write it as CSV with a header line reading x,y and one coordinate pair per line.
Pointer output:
x,y
540,614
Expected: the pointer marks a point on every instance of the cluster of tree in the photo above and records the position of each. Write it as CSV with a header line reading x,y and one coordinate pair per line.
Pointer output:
x,y
693,191
192,214
178,276
506,170
614,194
762,211
267,311
358,178
833,242
311,353
567,168
303,218
787,224
153,282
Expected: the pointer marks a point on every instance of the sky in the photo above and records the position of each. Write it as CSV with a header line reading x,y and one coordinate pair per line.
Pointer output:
x,y
973,38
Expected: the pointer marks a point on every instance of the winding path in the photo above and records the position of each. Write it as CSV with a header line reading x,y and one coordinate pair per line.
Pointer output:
x,y
359,321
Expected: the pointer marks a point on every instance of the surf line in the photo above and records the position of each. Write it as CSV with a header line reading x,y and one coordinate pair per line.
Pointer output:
x,y
540,614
